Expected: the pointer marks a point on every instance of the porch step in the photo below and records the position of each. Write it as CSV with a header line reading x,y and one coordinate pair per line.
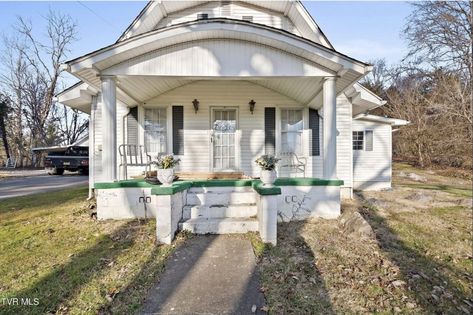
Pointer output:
x,y
219,225
221,198
220,189
230,211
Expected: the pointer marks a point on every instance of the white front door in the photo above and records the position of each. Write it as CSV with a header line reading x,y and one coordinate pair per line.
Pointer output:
x,y
224,127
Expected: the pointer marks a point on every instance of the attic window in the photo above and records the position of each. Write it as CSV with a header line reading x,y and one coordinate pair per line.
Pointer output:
x,y
202,16
247,18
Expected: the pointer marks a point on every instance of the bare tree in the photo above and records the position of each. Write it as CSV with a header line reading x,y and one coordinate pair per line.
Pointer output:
x,y
4,109
379,78
30,73
440,33
71,124
45,60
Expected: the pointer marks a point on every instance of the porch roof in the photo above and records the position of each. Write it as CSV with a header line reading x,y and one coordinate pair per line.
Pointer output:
x,y
278,60
383,120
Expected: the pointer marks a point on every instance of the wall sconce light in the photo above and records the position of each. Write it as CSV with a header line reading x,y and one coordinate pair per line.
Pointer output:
x,y
252,104
195,102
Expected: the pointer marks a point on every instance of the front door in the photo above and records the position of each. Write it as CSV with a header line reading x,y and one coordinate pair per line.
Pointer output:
x,y
224,126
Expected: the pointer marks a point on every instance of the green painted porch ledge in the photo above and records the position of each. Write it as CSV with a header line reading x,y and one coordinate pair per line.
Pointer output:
x,y
176,187
264,190
131,183
256,184
308,181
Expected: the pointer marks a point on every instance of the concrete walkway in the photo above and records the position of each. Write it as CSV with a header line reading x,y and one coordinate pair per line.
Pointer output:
x,y
212,274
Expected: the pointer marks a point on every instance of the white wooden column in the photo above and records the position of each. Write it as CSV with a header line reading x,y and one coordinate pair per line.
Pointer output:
x,y
109,131
93,108
330,128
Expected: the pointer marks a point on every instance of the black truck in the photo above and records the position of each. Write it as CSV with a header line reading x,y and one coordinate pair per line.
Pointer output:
x,y
72,159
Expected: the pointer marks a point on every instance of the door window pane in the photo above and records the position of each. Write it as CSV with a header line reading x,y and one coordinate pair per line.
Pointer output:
x,y
224,128
155,130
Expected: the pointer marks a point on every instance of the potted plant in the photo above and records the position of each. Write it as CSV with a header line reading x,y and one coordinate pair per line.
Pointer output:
x,y
267,163
165,164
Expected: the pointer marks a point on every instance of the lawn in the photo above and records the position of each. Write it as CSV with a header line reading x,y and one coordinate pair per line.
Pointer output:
x,y
53,251
418,259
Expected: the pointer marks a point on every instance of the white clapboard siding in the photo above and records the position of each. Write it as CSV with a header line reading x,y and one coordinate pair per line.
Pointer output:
x,y
372,169
344,140
216,94
233,10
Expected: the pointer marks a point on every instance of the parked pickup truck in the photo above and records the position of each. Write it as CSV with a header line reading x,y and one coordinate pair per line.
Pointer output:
x,y
70,159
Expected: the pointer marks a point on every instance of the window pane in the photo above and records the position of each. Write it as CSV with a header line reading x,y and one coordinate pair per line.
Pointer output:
x,y
291,130
155,130
357,140
369,140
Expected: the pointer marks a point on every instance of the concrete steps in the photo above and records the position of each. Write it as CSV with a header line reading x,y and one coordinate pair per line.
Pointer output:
x,y
220,210
220,225
230,211
223,198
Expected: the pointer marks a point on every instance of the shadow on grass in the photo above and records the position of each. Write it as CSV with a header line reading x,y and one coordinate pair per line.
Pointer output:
x,y
293,283
67,279
426,279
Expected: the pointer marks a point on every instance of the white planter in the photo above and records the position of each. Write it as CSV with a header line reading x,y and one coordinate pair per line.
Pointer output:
x,y
268,177
166,176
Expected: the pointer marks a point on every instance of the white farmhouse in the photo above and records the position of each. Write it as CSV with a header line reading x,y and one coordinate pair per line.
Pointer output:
x,y
219,83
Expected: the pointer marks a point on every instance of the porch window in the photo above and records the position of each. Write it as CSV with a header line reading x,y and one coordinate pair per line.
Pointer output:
x,y
358,140
291,130
155,130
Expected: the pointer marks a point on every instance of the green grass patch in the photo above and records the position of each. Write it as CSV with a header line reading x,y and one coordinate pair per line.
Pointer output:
x,y
457,191
52,251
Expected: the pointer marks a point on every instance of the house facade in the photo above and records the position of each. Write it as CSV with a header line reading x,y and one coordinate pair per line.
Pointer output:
x,y
219,83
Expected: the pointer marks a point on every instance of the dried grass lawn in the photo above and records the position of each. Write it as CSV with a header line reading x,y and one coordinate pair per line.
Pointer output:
x,y
51,249
418,260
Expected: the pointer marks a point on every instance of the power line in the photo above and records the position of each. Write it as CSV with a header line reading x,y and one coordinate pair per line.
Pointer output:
x,y
97,15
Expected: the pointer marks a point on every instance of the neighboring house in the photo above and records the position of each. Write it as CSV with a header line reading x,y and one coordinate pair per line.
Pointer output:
x,y
261,70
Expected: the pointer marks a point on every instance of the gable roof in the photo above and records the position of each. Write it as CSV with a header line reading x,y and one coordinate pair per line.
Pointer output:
x,y
155,11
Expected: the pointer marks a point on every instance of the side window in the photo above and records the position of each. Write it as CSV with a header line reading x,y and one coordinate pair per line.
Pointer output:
x,y
368,140
358,140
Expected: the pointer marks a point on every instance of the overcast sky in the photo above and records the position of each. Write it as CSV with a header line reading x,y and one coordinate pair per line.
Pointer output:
x,y
363,30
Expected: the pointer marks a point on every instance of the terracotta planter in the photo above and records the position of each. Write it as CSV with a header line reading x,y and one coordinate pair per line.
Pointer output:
x,y
268,177
166,176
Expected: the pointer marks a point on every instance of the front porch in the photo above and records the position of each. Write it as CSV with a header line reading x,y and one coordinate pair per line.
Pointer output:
x,y
219,206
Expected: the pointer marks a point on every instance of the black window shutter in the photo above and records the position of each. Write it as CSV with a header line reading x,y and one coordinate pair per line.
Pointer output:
x,y
178,130
270,130
314,125
132,126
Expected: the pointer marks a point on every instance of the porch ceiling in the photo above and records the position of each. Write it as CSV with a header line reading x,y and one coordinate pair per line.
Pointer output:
x,y
142,88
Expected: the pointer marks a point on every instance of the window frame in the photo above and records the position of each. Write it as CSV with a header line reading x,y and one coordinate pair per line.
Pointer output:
x,y
167,129
363,140
372,140
358,148
300,132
